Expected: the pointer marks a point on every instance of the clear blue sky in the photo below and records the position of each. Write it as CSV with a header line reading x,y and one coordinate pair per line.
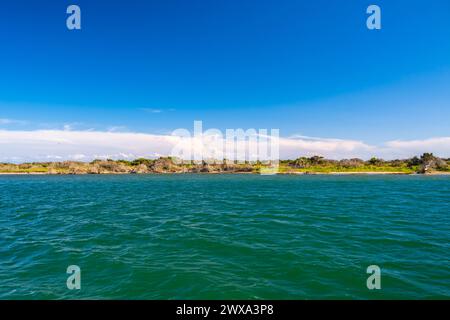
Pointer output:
x,y
306,67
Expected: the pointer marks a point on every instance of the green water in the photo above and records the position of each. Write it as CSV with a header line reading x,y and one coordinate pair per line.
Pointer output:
x,y
224,236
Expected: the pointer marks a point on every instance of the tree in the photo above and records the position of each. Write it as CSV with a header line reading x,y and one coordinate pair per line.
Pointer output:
x,y
415,161
375,161
427,158
316,160
430,162
140,161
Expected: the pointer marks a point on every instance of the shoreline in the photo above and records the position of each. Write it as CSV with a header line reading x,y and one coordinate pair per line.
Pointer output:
x,y
368,173
427,164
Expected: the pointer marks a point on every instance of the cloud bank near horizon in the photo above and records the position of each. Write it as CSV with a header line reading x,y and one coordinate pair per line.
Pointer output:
x,y
59,145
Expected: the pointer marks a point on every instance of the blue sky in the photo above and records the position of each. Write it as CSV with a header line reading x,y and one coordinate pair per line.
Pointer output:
x,y
309,68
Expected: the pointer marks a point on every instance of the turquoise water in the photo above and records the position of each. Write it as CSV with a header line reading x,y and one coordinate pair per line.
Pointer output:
x,y
224,236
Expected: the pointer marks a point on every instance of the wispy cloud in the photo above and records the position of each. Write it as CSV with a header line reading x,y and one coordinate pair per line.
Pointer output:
x,y
151,110
74,126
117,129
42,145
156,110
6,121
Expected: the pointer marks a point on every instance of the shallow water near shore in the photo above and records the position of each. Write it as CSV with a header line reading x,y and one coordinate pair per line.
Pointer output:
x,y
224,236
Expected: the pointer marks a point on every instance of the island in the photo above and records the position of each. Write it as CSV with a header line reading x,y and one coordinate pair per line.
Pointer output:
x,y
425,164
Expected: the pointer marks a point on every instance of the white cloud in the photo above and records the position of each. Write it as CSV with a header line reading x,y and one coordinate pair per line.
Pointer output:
x,y
37,145
78,157
45,145
330,148
440,146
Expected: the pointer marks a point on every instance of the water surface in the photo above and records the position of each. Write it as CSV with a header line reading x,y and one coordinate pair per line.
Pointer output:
x,y
224,236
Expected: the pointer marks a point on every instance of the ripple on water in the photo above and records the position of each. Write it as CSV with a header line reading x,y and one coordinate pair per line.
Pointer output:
x,y
224,236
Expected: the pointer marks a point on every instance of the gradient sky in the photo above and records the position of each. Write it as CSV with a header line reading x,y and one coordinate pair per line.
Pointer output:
x,y
309,68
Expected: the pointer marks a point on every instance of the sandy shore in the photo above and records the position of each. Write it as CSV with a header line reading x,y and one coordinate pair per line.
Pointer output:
x,y
280,173
438,174
22,173
347,173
